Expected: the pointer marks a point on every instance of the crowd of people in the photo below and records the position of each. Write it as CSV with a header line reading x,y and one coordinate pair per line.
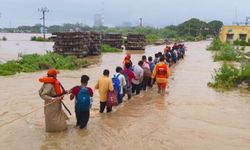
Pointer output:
x,y
129,79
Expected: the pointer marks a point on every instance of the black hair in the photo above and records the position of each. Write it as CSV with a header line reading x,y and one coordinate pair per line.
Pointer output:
x,y
162,58
118,69
106,72
140,63
156,55
127,65
150,58
84,79
144,57
159,54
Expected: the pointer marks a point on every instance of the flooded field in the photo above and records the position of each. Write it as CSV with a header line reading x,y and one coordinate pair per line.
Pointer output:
x,y
191,116
20,43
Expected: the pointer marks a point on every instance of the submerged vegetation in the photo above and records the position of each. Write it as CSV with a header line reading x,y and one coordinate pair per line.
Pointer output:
x,y
108,49
225,51
217,45
228,76
3,38
229,54
35,62
39,39
225,78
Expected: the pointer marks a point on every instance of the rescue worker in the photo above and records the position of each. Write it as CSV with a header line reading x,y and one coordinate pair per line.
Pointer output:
x,y
51,92
161,73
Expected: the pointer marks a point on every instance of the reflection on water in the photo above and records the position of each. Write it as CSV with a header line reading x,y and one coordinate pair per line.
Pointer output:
x,y
190,115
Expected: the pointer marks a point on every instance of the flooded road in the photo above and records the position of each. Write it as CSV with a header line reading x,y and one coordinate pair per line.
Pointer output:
x,y
191,116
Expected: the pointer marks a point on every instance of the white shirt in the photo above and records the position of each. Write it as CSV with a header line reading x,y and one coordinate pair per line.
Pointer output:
x,y
138,71
122,81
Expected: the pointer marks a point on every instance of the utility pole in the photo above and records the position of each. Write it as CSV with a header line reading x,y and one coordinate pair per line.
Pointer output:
x,y
140,22
43,10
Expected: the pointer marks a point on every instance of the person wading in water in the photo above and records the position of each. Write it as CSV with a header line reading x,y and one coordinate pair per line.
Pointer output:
x,y
161,73
51,92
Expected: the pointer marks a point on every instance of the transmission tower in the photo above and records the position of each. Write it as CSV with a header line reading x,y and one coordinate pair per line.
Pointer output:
x,y
43,10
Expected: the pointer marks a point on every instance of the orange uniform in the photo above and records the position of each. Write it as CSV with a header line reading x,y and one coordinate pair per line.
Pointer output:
x,y
161,73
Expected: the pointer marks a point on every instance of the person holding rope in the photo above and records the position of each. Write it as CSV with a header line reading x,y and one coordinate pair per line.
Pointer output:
x,y
52,92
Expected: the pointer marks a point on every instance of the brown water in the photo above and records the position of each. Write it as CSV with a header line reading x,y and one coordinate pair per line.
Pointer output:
x,y
191,116
20,43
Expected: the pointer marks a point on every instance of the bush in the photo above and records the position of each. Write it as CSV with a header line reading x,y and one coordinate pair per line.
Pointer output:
x,y
217,45
226,77
35,62
151,38
241,43
108,49
227,53
39,39
4,38
245,72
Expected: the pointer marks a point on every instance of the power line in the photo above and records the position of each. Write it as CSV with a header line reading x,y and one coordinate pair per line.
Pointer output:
x,y
43,10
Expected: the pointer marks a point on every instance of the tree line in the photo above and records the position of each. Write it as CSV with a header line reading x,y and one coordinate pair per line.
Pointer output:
x,y
192,29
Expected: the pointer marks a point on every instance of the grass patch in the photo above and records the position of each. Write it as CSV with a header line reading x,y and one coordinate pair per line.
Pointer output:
x,y
39,39
108,49
35,62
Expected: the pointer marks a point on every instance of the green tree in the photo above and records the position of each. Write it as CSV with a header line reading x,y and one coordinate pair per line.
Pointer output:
x,y
214,27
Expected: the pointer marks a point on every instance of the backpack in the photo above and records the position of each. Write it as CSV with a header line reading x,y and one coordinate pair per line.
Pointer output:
x,y
127,81
116,83
83,100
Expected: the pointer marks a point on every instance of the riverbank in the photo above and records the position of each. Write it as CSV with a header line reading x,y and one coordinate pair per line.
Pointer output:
x,y
36,62
182,119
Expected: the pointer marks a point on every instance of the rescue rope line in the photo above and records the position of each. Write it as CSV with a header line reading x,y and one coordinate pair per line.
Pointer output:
x,y
23,116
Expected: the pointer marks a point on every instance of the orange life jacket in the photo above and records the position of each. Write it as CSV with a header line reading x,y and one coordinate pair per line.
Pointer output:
x,y
53,81
161,71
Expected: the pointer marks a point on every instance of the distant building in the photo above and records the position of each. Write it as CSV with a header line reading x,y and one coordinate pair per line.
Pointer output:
x,y
98,20
232,33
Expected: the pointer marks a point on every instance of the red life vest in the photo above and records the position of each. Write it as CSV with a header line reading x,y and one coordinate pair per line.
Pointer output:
x,y
161,71
53,81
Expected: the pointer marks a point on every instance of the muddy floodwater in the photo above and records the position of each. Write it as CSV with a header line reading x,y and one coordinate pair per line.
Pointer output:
x,y
191,116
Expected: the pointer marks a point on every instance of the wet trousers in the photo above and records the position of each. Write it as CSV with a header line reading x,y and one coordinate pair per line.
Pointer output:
x,y
136,88
82,118
103,106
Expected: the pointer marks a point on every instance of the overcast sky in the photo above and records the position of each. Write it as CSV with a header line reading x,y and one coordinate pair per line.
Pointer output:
x,y
156,13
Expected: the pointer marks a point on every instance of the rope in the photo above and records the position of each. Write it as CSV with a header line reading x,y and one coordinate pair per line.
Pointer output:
x,y
23,116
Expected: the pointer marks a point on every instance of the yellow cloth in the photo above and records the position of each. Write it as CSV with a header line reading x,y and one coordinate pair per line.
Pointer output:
x,y
104,84
160,80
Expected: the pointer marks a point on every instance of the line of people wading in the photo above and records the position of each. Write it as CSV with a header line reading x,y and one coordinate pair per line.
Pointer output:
x,y
129,80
